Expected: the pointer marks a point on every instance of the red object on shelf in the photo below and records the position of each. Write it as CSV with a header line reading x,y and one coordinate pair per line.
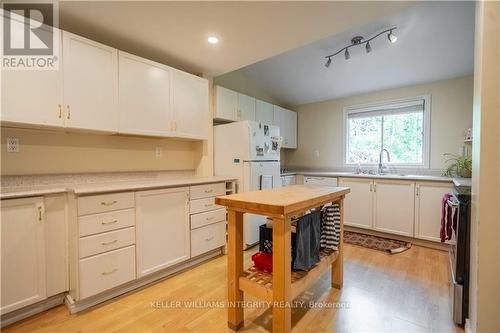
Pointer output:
x,y
263,261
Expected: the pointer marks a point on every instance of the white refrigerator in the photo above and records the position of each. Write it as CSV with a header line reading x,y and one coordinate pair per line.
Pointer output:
x,y
250,152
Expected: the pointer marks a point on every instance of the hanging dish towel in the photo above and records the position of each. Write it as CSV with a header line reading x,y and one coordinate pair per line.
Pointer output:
x,y
330,227
308,234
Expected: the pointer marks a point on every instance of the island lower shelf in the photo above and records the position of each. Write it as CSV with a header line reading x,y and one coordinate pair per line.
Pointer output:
x,y
260,284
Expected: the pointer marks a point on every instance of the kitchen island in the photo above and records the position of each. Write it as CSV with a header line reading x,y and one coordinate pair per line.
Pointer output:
x,y
283,285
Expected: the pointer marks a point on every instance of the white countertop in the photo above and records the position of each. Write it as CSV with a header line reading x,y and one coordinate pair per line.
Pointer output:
x,y
367,175
30,186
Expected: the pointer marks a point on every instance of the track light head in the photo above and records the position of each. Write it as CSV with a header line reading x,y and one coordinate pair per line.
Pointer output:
x,y
368,47
328,62
392,38
346,54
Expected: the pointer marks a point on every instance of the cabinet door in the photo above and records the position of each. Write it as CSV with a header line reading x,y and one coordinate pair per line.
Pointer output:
x,y
33,97
144,96
226,104
358,205
90,84
286,120
264,112
428,209
394,206
246,107
56,248
162,224
190,105
23,253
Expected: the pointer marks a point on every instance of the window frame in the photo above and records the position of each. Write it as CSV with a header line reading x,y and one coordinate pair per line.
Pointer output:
x,y
379,105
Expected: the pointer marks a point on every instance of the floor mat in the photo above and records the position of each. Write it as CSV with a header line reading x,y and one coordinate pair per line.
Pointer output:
x,y
377,243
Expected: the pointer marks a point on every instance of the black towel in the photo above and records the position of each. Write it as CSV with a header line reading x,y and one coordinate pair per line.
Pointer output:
x,y
308,231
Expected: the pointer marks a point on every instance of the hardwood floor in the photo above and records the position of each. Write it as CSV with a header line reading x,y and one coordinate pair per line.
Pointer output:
x,y
405,292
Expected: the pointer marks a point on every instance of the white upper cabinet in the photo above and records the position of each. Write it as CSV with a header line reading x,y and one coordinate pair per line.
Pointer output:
x,y
190,105
23,253
246,108
264,112
428,198
90,84
33,97
144,96
394,206
226,104
361,196
286,120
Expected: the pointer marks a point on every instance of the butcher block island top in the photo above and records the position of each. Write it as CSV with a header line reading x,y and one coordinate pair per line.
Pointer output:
x,y
282,285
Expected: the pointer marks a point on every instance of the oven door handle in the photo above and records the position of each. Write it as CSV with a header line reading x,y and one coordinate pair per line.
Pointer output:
x,y
452,203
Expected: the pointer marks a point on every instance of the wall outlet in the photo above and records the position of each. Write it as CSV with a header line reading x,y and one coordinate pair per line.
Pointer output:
x,y
158,152
12,145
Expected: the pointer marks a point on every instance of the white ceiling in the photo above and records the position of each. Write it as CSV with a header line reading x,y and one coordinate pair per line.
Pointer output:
x,y
175,33
435,42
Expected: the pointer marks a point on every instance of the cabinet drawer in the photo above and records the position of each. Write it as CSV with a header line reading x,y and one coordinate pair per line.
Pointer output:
x,y
107,270
105,203
97,223
202,219
107,241
207,190
208,238
203,205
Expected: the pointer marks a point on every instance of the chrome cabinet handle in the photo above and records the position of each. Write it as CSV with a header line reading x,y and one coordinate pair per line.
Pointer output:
x,y
371,187
210,218
40,213
109,243
374,187
417,191
209,191
209,238
68,116
109,203
110,222
110,272
60,111
209,205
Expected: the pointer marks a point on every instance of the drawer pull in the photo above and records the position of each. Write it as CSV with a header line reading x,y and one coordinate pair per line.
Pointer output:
x,y
210,218
109,272
209,205
109,203
209,191
209,239
109,243
110,222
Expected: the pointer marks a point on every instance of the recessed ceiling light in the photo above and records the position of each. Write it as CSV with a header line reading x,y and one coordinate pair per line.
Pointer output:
x,y
213,40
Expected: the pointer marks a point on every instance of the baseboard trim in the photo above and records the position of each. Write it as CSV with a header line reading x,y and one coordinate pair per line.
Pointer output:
x,y
31,310
77,306
415,241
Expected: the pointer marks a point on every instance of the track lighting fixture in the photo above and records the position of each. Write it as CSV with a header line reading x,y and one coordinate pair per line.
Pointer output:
x,y
359,40
328,62
392,38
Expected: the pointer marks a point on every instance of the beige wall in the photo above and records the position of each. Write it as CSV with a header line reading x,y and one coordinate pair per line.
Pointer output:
x,y
43,152
484,293
320,125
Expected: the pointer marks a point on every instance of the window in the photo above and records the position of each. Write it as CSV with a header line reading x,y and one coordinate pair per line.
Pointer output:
x,y
401,127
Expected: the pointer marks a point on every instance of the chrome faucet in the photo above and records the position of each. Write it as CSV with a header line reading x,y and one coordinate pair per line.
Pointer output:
x,y
380,165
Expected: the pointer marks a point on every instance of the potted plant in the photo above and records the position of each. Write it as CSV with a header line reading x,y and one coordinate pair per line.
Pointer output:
x,y
458,166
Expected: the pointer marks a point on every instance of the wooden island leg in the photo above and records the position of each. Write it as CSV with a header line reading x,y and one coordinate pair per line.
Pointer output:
x,y
282,272
234,269
338,264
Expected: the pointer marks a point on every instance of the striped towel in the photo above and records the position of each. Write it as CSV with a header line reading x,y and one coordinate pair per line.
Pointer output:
x,y
330,227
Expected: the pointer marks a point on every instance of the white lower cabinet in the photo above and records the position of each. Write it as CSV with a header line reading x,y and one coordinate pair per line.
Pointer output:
x,y
358,206
207,238
107,270
162,220
428,196
394,206
23,253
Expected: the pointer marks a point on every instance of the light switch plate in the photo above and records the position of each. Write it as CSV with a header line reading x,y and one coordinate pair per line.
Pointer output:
x,y
12,145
